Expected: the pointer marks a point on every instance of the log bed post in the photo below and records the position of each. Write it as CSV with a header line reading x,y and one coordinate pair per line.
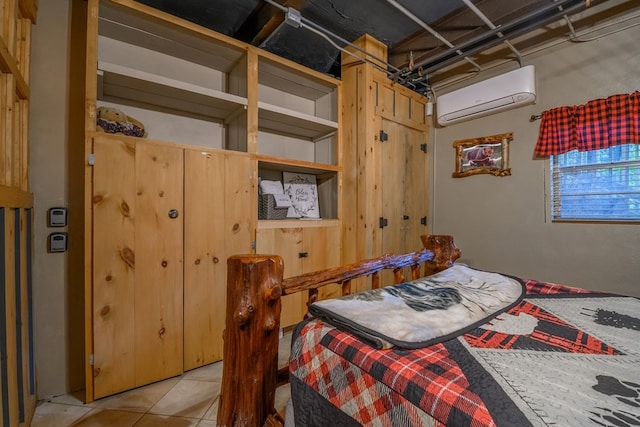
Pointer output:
x,y
254,288
444,250
250,359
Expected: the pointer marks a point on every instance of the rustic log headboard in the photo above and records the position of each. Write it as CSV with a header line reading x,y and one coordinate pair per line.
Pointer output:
x,y
255,286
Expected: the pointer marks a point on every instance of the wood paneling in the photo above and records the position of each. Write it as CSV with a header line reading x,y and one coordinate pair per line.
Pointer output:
x,y
17,391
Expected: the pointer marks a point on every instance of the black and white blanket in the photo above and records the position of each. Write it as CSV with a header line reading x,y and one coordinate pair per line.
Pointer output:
x,y
425,311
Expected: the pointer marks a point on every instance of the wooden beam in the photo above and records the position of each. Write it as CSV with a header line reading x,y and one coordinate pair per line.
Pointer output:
x,y
8,65
11,197
28,9
276,17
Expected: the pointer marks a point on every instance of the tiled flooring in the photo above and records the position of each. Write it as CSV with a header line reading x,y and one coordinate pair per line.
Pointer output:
x,y
187,401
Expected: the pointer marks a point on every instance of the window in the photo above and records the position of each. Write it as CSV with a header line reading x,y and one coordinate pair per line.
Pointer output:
x,y
598,185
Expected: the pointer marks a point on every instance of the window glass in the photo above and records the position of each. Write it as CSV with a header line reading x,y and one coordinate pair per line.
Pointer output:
x,y
598,185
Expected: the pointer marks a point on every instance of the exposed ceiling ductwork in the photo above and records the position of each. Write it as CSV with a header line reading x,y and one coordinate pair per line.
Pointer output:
x,y
428,41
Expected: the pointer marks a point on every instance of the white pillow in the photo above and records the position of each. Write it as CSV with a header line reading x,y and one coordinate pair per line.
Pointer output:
x,y
271,187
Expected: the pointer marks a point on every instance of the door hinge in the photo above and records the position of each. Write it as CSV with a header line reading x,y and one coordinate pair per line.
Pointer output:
x,y
423,147
383,136
253,244
423,220
92,159
91,359
383,222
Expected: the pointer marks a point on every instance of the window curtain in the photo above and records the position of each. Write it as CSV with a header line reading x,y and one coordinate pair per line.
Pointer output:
x,y
598,124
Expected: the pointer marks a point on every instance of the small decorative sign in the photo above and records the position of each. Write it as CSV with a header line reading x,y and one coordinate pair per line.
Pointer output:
x,y
303,191
282,200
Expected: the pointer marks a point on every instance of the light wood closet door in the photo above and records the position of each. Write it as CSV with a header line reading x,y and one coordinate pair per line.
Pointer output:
x,y
204,268
404,188
217,225
137,264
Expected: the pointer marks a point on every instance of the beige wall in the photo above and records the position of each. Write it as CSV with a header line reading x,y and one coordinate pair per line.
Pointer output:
x,y
500,223
58,328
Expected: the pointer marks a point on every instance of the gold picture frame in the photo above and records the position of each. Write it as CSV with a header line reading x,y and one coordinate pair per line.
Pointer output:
x,y
487,154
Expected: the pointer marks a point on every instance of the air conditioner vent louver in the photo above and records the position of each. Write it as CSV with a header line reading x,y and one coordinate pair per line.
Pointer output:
x,y
500,93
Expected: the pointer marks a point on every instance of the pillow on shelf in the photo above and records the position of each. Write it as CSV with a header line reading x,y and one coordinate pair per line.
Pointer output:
x,y
271,187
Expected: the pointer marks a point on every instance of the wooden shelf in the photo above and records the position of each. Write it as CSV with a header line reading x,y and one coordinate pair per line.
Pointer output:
x,y
282,120
297,223
293,80
117,82
299,166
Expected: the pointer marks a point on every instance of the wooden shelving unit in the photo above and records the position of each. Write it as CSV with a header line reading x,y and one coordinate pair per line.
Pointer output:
x,y
220,114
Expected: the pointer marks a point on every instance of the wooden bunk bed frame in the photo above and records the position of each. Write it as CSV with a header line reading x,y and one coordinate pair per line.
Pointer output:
x,y
255,286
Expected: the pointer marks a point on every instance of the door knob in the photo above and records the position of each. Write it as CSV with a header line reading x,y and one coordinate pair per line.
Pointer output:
x,y
173,213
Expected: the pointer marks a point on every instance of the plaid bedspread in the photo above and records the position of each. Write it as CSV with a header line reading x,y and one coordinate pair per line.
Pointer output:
x,y
562,356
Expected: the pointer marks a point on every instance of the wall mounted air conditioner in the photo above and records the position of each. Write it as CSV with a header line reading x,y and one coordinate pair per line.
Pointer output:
x,y
503,92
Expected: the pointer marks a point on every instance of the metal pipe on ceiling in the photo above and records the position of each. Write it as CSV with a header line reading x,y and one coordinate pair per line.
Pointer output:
x,y
491,25
433,32
514,28
592,30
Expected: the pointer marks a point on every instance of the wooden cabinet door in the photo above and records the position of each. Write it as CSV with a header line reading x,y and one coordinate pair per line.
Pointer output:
x,y
216,226
303,250
404,188
416,201
204,258
322,248
137,264
286,242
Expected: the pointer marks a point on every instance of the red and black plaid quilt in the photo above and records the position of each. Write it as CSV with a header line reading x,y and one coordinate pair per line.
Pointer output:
x,y
562,356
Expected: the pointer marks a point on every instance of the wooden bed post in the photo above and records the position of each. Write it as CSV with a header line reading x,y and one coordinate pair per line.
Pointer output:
x,y
444,250
254,288
251,337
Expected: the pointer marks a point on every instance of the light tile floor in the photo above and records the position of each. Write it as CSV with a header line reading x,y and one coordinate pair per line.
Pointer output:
x,y
190,400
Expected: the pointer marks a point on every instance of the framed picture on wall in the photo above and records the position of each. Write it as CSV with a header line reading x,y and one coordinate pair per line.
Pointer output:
x,y
487,154
303,191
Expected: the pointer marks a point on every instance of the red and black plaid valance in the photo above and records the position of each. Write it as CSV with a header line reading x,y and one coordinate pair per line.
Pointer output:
x,y
598,124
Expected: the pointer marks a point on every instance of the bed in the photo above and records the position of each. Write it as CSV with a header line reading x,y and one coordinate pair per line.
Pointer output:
x,y
537,354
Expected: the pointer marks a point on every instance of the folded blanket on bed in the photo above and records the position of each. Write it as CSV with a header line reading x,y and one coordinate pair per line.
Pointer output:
x,y
425,311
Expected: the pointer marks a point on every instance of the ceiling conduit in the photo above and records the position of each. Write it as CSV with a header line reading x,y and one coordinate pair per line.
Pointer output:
x,y
433,32
517,27
496,35
490,24
301,21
